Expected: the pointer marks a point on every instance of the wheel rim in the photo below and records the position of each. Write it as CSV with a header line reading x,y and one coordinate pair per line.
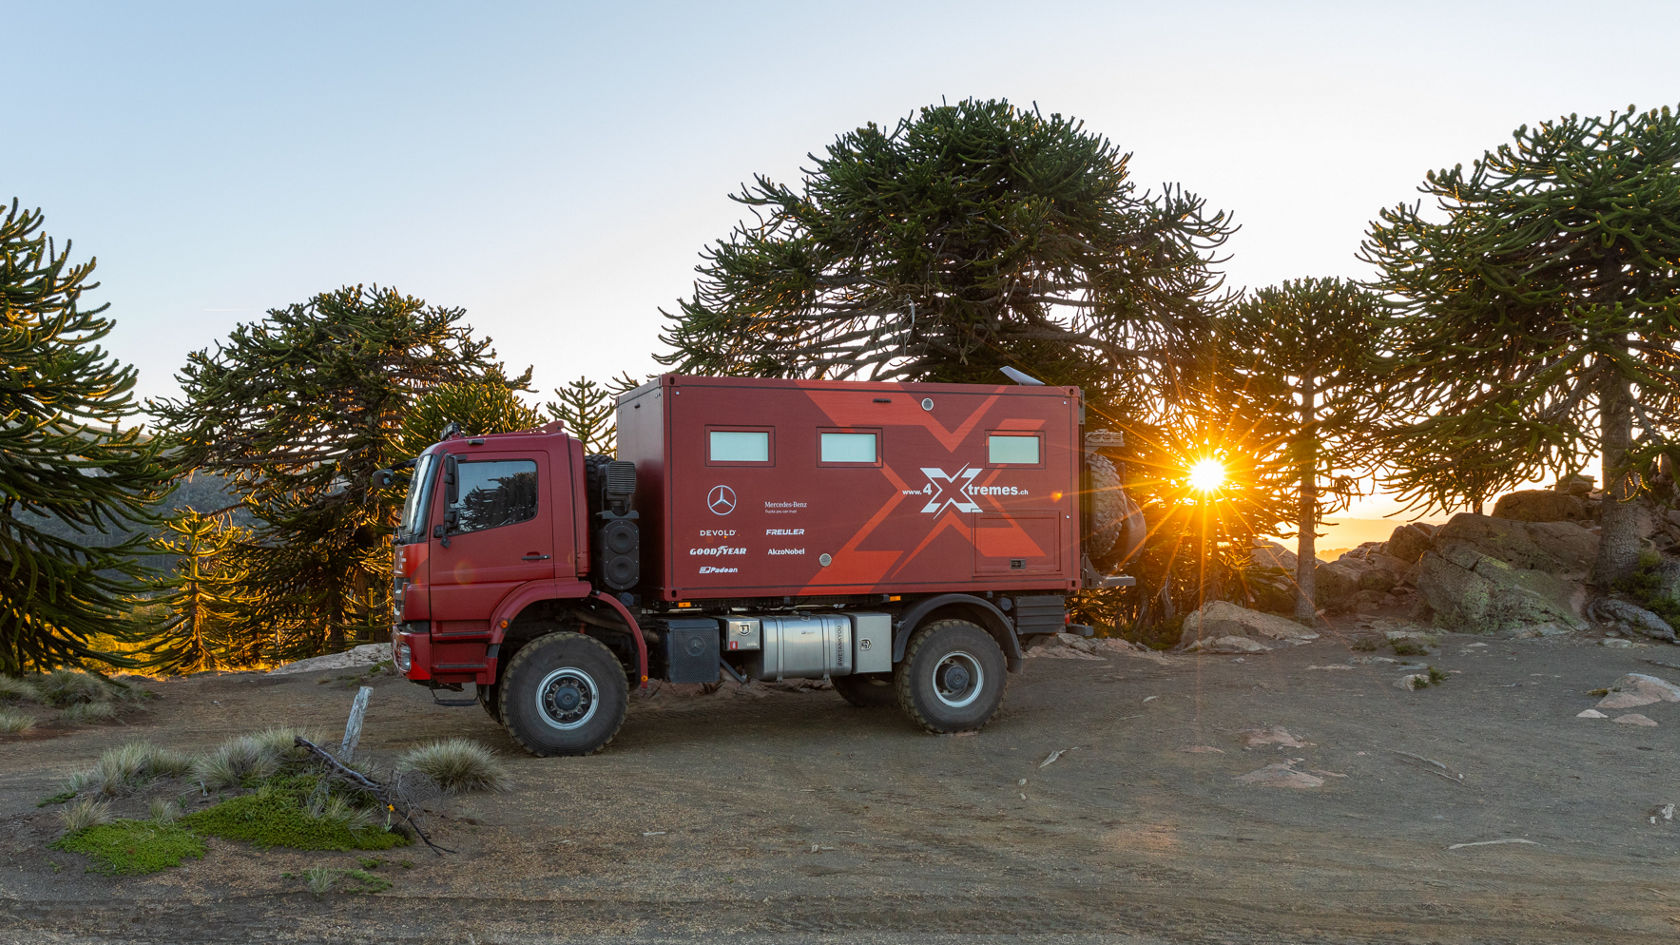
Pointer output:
x,y
567,698
958,679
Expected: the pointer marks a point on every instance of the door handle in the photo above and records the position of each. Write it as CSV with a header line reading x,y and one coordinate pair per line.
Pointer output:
x,y
533,556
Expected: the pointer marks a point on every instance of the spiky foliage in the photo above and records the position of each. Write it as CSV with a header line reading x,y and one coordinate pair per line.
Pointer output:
x,y
479,409
1303,360
299,410
204,597
456,765
1538,310
63,457
968,237
590,411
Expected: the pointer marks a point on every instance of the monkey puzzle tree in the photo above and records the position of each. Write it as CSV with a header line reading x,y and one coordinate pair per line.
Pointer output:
x,y
203,598
1538,314
299,410
62,457
1305,361
969,237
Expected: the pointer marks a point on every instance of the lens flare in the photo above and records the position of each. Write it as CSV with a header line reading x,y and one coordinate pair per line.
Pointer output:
x,y
1207,475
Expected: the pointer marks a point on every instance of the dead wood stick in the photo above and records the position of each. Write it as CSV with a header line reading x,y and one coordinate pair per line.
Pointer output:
x,y
384,793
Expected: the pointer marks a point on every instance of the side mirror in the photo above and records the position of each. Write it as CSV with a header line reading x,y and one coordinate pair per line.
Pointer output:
x,y
382,478
451,480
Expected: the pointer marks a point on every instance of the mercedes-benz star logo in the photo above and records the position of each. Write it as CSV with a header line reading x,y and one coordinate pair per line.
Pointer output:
x,y
721,500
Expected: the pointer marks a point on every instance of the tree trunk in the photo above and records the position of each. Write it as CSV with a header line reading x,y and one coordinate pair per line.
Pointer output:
x,y
1618,542
1306,522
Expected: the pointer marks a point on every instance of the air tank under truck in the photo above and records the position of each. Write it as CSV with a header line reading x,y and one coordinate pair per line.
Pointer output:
x,y
897,539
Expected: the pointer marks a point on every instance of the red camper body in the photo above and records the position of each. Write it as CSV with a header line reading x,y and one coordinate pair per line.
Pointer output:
x,y
898,539
791,487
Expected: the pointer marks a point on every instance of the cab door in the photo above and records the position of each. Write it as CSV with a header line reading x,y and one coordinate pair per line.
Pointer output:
x,y
494,533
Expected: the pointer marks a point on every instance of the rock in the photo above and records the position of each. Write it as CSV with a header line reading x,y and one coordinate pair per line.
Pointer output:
x,y
1397,569
1634,718
1271,592
1649,688
1276,735
1272,556
1667,575
358,657
1412,682
1409,542
1578,485
1471,592
1281,776
1590,714
1559,548
1219,620
1226,645
1630,617
1334,584
1540,505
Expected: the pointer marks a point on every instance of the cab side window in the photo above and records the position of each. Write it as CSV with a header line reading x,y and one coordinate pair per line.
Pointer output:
x,y
494,493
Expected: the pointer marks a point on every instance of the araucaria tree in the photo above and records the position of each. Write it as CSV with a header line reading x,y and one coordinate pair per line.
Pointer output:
x,y
1539,307
299,410
62,456
203,600
1303,359
969,237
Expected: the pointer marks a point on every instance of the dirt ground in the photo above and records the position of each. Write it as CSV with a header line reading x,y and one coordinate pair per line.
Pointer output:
x,y
791,816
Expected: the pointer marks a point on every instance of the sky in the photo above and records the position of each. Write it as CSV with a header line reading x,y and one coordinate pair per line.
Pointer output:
x,y
556,169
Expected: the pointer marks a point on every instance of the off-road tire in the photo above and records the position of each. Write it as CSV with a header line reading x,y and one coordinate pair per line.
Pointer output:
x,y
952,677
563,694
1117,525
866,690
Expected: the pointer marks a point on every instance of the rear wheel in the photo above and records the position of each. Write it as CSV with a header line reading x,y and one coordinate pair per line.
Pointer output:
x,y
866,690
563,694
952,677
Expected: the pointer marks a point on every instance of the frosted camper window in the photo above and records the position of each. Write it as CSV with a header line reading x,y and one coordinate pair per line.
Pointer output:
x,y
849,448
1012,449
739,446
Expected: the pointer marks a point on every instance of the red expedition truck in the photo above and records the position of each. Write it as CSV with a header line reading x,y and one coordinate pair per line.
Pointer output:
x,y
897,539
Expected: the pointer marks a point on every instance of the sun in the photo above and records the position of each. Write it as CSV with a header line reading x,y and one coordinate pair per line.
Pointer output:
x,y
1207,475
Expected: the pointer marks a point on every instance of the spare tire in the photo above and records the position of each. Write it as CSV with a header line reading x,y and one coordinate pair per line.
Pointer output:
x,y
1117,525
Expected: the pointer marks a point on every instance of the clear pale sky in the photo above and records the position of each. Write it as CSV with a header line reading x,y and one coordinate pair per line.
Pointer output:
x,y
555,168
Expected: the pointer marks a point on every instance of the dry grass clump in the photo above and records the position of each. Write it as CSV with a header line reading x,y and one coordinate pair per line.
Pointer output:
x,y
18,689
84,713
250,758
83,814
67,687
126,769
15,722
457,765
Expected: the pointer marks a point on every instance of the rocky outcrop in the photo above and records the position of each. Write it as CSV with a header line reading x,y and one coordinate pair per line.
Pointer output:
x,y
1487,575
1541,505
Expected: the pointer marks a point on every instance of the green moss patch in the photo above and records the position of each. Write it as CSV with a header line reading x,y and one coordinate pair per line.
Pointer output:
x,y
133,847
277,815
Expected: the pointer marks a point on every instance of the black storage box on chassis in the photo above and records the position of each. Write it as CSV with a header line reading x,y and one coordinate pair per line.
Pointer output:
x,y
691,650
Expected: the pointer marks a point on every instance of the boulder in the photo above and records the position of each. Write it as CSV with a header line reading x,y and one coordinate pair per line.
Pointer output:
x,y
1409,542
1559,548
1472,592
1576,485
1540,505
1630,617
1213,626
1649,689
1271,592
1334,584
1272,556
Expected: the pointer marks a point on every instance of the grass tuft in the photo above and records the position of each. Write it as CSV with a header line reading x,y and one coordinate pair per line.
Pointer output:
x,y
15,722
459,766
67,687
320,879
239,761
127,768
18,689
163,810
84,814
132,847
86,713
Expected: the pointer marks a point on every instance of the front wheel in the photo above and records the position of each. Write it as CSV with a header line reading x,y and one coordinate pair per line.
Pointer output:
x,y
563,694
952,677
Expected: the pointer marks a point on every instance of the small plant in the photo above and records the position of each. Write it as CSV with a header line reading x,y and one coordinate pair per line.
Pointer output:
x,y
83,814
127,768
62,797
277,815
238,761
320,879
87,713
1365,644
132,847
457,765
15,722
68,687
1436,676
18,689
1406,646
163,810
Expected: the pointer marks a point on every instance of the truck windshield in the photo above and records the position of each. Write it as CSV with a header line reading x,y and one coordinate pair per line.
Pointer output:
x,y
412,527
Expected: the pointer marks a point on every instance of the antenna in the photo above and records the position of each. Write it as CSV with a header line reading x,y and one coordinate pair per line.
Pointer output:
x,y
1021,377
